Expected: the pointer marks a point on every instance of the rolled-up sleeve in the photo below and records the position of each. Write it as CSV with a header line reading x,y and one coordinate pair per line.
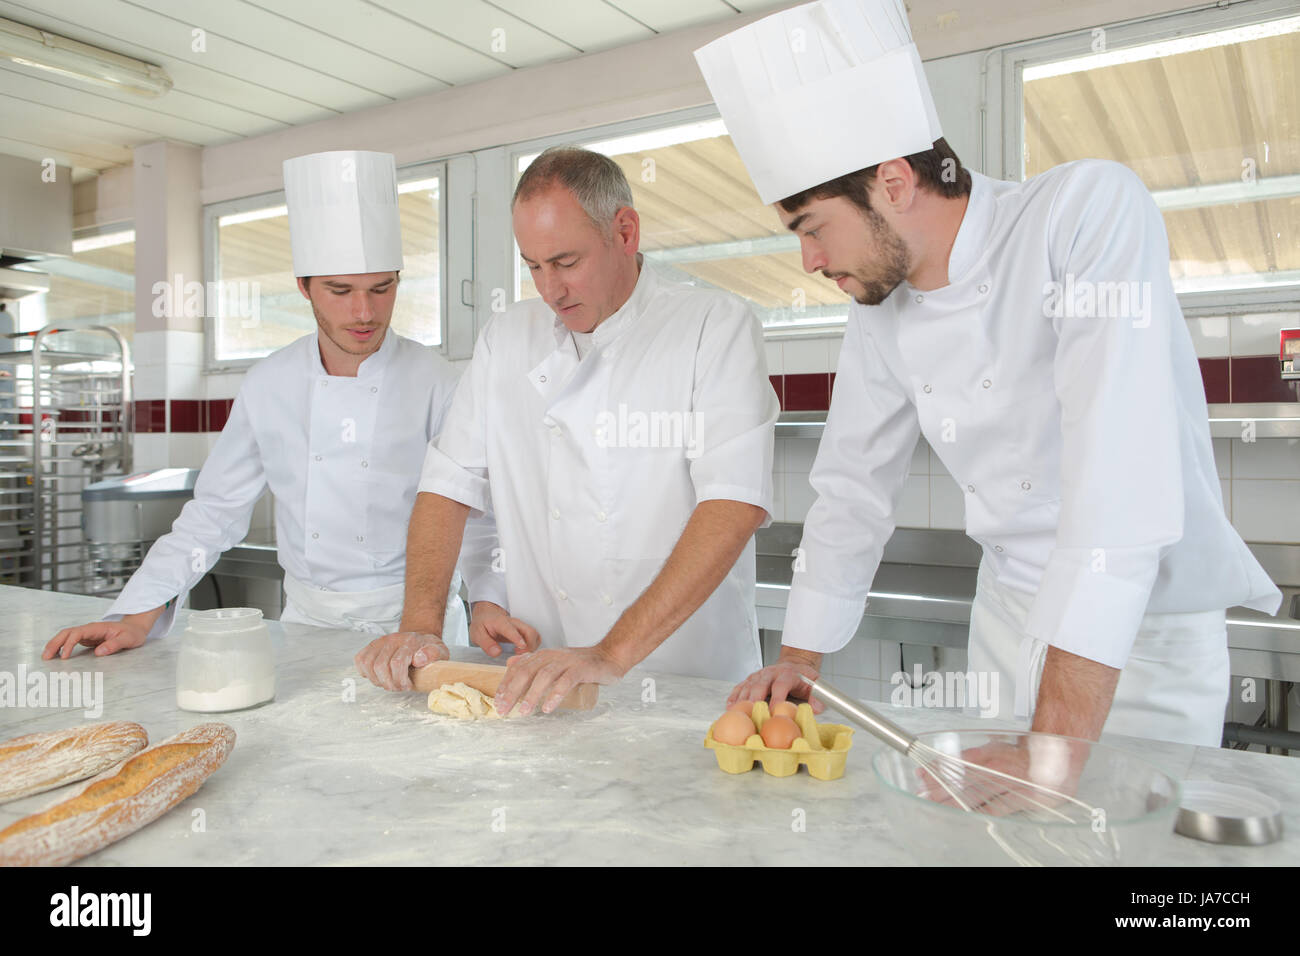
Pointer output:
x,y
734,409
858,475
1121,485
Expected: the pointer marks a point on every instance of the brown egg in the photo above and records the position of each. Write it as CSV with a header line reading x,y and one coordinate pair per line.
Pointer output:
x,y
783,709
746,707
779,732
734,728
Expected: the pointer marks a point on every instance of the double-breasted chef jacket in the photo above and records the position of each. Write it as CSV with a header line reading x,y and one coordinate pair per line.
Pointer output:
x,y
1055,378
342,457
592,467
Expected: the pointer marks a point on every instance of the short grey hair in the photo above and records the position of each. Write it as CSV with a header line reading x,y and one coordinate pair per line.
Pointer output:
x,y
595,180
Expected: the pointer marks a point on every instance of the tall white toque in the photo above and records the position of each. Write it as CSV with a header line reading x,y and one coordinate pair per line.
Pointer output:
x,y
821,90
343,215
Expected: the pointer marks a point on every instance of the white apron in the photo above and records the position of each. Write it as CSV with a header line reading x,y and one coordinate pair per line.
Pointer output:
x,y
1173,687
376,612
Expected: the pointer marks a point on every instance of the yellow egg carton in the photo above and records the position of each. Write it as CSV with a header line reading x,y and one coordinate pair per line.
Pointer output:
x,y
824,748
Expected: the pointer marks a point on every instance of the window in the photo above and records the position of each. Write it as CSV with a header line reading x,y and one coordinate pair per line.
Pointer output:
x,y
95,286
702,221
258,308
1205,110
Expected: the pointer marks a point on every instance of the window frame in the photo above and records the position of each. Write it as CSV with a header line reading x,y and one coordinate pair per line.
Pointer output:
x,y
1005,124
211,252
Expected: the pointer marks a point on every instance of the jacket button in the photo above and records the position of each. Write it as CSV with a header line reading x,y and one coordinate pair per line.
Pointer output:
x,y
562,596
920,298
374,388
986,383
601,516
926,389
365,464
1024,485
555,512
607,599
315,535
541,378
318,457
970,488
556,431
360,538
998,548
984,287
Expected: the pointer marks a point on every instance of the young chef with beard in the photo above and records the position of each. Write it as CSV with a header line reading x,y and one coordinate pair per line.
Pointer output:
x,y
619,430
335,424
984,318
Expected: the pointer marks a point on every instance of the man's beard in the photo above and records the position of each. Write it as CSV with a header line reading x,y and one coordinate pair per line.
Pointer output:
x,y
889,267
341,338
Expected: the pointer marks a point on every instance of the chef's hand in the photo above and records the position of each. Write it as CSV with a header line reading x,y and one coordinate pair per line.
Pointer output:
x,y
1054,763
545,677
386,661
106,637
781,680
491,625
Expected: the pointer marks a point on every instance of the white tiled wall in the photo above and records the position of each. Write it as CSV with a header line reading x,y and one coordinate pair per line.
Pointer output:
x,y
1260,480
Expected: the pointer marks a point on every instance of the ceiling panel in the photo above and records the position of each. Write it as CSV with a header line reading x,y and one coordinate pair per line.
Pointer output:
x,y
270,35
489,30
587,25
392,36
663,16
268,65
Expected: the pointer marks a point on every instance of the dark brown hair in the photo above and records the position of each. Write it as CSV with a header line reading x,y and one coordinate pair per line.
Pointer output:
x,y
938,170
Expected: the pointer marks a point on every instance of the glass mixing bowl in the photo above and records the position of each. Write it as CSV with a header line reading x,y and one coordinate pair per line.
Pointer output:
x,y
1129,804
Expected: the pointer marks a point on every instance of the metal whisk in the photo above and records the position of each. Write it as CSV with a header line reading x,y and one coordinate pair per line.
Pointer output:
x,y
998,795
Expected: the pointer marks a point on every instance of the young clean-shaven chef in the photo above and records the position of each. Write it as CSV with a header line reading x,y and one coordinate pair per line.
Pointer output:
x,y
1030,331
335,424
619,430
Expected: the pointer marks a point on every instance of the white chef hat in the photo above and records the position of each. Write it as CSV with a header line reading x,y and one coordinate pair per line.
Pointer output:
x,y
821,90
343,216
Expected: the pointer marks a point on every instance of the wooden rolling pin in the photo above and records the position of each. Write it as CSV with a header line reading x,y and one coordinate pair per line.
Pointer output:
x,y
486,678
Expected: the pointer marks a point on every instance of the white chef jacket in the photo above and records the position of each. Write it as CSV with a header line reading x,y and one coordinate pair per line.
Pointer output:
x,y
1078,435
342,457
592,468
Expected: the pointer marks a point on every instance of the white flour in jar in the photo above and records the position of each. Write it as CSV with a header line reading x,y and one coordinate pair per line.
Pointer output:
x,y
234,696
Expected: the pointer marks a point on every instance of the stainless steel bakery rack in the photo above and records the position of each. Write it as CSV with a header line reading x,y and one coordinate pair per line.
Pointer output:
x,y
65,422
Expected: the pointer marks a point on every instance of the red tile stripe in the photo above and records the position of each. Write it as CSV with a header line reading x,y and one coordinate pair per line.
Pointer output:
x,y
1251,378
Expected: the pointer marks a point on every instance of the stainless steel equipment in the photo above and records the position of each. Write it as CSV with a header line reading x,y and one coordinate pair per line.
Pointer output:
x,y
66,421
121,517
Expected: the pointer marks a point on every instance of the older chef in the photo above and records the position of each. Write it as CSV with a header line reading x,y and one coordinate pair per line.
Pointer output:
x,y
619,429
1030,331
335,424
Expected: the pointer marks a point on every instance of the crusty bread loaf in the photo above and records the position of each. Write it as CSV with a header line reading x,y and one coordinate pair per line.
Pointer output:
x,y
39,762
117,804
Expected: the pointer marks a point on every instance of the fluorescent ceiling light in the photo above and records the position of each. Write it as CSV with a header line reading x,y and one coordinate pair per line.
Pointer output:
x,y
1152,51
28,46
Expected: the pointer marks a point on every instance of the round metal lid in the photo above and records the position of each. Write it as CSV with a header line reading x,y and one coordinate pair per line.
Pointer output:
x,y
1227,813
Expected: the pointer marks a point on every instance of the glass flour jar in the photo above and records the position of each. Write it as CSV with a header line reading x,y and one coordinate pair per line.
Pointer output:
x,y
225,662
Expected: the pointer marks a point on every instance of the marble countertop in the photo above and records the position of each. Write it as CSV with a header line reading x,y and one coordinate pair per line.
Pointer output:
x,y
318,779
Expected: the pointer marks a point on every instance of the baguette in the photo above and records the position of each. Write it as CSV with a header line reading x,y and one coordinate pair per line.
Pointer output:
x,y
115,805
38,762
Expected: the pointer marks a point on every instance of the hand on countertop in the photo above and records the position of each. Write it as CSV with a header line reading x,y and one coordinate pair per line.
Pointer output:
x,y
777,682
386,661
490,625
106,637
546,677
